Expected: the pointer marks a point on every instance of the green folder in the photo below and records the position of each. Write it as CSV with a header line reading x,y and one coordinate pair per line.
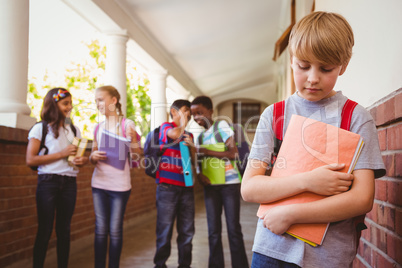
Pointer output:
x,y
212,167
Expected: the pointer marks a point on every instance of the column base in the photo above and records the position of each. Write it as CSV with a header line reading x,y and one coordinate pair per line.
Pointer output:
x,y
15,120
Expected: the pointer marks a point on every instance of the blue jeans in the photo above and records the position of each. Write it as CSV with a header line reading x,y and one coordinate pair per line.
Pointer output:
x,y
109,213
227,197
174,201
262,261
54,193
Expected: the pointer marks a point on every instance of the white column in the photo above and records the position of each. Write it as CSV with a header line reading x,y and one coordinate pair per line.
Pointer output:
x,y
116,65
157,80
14,29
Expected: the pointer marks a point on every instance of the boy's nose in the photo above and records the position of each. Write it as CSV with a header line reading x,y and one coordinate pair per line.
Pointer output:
x,y
313,77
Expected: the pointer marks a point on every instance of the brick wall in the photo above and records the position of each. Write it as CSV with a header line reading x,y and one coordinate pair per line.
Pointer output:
x,y
18,222
381,243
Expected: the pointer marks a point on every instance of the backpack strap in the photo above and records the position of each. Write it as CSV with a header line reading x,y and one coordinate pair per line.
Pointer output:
x,y
74,130
200,138
96,131
346,116
277,122
217,132
123,126
277,127
42,141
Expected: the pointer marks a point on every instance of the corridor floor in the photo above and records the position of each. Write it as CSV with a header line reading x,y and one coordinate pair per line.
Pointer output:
x,y
139,242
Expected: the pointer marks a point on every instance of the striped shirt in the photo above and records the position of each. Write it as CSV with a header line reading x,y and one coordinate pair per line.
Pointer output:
x,y
171,167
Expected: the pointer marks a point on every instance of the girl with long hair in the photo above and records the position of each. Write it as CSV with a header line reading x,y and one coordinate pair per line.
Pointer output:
x,y
57,188
111,186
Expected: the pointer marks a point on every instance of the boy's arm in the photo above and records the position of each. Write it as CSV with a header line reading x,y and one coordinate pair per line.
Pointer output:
x,y
258,188
357,201
177,132
230,153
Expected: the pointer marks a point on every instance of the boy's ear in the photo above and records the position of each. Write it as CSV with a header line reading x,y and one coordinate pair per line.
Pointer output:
x,y
343,69
173,112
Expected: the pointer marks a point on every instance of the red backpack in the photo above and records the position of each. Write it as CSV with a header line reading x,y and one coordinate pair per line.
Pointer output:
x,y
277,127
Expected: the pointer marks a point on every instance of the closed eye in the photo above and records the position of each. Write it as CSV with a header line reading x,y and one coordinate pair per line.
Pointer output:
x,y
327,70
304,67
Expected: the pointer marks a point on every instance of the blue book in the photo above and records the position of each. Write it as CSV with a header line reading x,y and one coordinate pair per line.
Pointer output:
x,y
186,162
117,149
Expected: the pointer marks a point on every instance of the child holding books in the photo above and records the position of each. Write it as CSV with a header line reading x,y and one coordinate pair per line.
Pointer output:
x,y
57,188
320,47
173,199
111,186
218,196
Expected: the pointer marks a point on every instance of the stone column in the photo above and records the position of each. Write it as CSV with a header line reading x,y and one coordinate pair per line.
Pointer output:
x,y
159,106
14,29
116,52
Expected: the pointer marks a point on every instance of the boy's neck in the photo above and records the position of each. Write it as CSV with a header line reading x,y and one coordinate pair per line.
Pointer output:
x,y
210,123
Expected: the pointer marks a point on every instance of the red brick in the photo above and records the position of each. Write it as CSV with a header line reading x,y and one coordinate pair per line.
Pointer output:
x,y
366,233
389,162
380,114
381,190
358,264
12,148
373,213
395,192
398,221
398,165
390,223
394,134
398,106
394,245
373,112
381,217
382,262
382,138
367,253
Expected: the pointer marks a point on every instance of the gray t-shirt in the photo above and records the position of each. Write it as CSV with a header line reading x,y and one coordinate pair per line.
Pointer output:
x,y
339,246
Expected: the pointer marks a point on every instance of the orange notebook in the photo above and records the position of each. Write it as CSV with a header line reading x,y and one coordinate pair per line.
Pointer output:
x,y
309,144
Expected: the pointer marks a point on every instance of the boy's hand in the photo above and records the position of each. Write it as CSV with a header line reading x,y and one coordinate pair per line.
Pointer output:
x,y
327,180
201,152
203,179
188,140
278,219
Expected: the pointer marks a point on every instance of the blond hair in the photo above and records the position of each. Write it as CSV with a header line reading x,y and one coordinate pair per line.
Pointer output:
x,y
324,37
112,91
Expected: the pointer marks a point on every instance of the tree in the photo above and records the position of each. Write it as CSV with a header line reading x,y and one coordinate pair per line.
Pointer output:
x,y
81,79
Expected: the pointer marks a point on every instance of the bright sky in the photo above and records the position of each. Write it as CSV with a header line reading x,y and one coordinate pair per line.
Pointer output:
x,y
56,37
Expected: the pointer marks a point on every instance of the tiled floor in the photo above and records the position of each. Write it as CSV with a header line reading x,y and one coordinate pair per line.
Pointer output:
x,y
139,242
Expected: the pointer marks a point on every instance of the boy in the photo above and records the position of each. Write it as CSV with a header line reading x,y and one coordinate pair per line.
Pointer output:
x,y
223,195
173,199
320,47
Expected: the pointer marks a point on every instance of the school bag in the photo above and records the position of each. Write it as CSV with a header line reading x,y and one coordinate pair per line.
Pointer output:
x,y
240,140
133,163
277,127
152,153
42,141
